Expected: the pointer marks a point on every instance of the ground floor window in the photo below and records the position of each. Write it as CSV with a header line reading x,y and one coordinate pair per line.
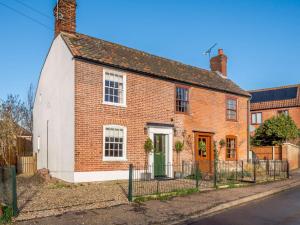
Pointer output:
x,y
114,142
231,147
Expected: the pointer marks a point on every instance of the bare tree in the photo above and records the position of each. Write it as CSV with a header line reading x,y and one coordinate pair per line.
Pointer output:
x,y
11,116
28,111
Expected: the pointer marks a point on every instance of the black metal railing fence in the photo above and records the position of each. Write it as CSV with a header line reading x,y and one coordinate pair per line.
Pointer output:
x,y
199,175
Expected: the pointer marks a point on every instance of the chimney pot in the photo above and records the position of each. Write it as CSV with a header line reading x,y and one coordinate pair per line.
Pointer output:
x,y
220,51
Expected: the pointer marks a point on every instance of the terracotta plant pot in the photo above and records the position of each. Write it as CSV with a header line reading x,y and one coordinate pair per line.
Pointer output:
x,y
178,174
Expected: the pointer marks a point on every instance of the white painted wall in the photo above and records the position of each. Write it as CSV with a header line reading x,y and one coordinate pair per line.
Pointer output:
x,y
55,102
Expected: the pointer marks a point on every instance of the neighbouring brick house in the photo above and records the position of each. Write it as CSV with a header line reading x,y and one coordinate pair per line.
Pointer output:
x,y
97,102
269,102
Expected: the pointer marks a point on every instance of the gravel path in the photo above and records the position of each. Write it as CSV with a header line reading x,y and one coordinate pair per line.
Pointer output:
x,y
37,198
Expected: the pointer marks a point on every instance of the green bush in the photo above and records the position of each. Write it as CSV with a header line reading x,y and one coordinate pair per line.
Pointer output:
x,y
275,131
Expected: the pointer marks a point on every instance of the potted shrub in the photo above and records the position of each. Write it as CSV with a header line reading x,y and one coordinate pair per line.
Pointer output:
x,y
178,148
202,146
148,147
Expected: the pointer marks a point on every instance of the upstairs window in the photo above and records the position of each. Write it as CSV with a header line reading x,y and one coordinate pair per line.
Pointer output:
x,y
114,88
231,148
256,118
114,142
182,99
231,109
285,112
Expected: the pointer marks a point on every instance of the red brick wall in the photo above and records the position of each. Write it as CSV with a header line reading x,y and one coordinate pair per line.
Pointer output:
x,y
268,113
208,114
148,100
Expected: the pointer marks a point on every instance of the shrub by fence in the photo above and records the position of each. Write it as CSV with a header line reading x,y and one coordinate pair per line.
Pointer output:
x,y
204,174
8,188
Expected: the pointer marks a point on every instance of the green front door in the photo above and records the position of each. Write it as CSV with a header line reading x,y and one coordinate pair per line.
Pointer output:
x,y
159,155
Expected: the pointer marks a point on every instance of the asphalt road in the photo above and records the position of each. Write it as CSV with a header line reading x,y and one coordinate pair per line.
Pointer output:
x,y
280,209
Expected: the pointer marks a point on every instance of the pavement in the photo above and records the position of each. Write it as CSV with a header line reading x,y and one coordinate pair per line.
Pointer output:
x,y
178,210
282,208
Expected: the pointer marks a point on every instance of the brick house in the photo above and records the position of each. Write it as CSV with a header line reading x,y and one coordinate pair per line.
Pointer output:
x,y
97,102
269,102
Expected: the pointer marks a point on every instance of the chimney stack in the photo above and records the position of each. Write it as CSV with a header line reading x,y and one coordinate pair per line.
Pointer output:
x,y
219,63
65,16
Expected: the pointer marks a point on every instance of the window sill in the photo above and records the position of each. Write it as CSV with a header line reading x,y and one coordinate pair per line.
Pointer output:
x,y
114,104
182,113
229,120
231,159
111,159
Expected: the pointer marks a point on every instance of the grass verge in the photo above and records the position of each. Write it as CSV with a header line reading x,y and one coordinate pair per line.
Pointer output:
x,y
166,196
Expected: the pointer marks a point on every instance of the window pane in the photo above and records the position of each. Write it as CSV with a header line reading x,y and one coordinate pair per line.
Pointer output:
x,y
253,118
116,99
259,118
116,153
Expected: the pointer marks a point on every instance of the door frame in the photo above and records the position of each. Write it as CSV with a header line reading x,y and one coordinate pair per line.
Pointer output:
x,y
210,151
169,148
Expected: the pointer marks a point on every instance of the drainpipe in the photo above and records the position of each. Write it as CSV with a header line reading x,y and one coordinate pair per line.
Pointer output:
x,y
248,129
47,147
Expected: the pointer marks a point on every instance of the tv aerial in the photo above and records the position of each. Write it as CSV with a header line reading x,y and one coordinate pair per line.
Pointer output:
x,y
208,51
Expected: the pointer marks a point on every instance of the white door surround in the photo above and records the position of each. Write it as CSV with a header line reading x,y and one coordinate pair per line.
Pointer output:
x,y
169,147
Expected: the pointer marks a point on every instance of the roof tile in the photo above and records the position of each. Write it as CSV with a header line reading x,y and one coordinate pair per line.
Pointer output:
x,y
105,52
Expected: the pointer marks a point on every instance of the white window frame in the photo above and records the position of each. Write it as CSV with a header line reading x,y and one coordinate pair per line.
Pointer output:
x,y
124,86
255,114
284,112
124,157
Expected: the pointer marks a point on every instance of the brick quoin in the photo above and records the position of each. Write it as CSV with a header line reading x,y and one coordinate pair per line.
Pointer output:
x,y
148,100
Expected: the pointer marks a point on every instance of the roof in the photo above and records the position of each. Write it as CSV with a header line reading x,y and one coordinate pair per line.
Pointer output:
x,y
278,97
23,132
115,55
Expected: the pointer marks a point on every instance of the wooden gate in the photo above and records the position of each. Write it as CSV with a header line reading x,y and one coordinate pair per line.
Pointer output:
x,y
27,164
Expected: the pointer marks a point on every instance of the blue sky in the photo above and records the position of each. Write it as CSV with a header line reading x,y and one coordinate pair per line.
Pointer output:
x,y
260,38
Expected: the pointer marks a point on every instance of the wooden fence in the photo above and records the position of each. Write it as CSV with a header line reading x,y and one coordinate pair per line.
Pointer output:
x,y
27,164
286,151
267,152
